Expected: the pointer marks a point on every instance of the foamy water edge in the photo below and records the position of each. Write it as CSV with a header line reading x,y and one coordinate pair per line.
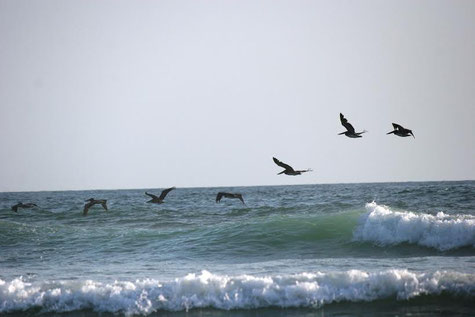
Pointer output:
x,y
207,290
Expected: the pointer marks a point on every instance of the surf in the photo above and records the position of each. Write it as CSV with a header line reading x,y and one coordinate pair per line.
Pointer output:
x,y
230,292
382,226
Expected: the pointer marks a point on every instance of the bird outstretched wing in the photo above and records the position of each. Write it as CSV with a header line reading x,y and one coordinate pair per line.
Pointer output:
x,y
219,196
283,165
397,127
165,192
87,206
346,124
151,195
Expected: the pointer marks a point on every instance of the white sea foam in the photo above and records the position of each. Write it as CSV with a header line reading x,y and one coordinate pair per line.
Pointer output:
x,y
229,292
444,232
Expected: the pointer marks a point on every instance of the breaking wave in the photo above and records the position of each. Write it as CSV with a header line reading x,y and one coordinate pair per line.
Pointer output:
x,y
207,290
443,232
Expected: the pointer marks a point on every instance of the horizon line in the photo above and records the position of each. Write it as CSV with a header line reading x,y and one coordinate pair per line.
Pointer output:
x,y
223,186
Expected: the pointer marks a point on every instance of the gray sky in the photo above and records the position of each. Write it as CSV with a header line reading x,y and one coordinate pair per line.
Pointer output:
x,y
138,94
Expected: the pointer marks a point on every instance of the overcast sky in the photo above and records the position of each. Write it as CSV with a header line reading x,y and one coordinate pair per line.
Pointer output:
x,y
145,94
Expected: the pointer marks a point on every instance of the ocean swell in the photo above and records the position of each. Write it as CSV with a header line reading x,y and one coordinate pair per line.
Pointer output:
x,y
207,290
383,226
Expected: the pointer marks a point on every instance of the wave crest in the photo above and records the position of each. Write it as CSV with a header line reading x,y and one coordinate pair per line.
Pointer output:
x,y
207,290
442,231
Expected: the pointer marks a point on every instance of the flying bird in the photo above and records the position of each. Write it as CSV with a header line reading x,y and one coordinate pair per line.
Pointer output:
x,y
350,131
92,202
159,200
229,195
401,131
22,205
288,170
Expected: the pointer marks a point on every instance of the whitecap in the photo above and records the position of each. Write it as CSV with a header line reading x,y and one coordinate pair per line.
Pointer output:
x,y
383,226
207,290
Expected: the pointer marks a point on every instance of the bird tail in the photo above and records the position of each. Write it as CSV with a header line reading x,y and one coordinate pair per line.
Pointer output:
x,y
391,132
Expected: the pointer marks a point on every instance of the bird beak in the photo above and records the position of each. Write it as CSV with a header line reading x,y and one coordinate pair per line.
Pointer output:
x,y
413,135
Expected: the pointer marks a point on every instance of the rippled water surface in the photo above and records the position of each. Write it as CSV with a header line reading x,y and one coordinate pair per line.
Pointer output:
x,y
310,247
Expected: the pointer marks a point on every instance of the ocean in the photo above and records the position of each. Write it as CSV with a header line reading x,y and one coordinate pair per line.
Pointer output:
x,y
373,249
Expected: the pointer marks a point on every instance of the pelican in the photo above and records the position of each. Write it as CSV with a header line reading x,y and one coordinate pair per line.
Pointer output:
x,y
401,131
159,200
92,202
350,131
22,205
288,169
229,195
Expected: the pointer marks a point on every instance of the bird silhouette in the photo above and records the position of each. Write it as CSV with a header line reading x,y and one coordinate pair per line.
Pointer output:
x,y
401,131
92,202
22,205
350,131
159,199
288,170
229,195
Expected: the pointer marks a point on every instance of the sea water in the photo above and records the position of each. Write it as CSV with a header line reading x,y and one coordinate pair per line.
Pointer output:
x,y
312,250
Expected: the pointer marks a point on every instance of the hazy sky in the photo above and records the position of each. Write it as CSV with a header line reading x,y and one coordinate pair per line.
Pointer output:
x,y
139,94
